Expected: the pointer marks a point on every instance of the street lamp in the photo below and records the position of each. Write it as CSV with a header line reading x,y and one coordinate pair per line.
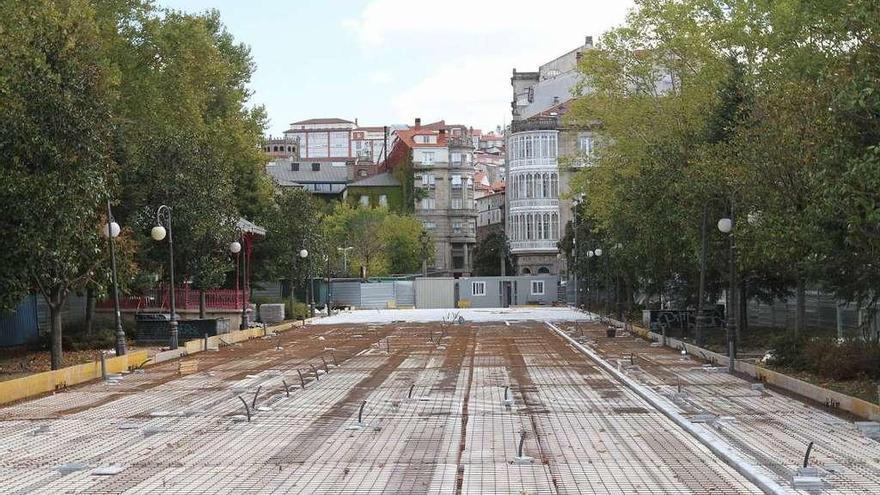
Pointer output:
x,y
304,254
598,253
235,248
726,225
111,231
158,233
344,252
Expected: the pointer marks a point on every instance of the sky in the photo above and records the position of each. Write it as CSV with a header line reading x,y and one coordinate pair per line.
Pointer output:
x,y
387,62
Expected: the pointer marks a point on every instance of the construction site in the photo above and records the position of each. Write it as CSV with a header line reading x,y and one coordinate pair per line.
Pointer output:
x,y
490,401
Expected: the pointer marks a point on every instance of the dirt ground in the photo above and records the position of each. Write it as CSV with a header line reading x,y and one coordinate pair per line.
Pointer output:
x,y
19,361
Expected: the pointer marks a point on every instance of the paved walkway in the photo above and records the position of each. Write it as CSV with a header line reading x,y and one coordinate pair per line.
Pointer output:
x,y
770,429
434,421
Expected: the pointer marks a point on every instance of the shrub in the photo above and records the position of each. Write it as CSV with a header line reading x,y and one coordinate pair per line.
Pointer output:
x,y
787,351
846,360
103,335
298,311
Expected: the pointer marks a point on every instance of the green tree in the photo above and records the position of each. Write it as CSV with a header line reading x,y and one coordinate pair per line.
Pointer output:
x,y
57,93
489,253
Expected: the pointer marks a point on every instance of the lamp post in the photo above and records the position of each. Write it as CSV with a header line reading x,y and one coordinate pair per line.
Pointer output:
x,y
235,248
344,252
111,231
589,294
304,254
159,232
726,225
598,253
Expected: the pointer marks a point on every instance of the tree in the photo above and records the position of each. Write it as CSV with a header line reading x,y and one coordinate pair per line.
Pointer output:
x,y
382,242
55,146
489,253
293,225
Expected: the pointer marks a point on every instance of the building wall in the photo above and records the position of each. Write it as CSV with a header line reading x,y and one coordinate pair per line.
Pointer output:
x,y
447,210
393,195
521,291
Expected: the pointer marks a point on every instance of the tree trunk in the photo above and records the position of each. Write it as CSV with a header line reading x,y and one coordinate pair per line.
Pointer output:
x,y
90,310
56,304
743,326
202,304
800,311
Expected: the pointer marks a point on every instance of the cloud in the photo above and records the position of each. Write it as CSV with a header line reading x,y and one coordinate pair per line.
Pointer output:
x,y
454,59
380,77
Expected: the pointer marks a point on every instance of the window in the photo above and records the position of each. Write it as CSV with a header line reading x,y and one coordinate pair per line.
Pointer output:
x,y
537,287
585,144
456,203
430,225
316,167
478,288
456,227
428,157
428,180
364,200
362,173
456,181
427,203
294,167
383,200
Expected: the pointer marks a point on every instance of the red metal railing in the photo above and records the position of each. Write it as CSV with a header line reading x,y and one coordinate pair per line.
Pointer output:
x,y
184,298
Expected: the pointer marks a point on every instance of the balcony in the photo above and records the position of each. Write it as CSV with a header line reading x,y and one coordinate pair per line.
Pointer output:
x,y
536,124
552,203
548,246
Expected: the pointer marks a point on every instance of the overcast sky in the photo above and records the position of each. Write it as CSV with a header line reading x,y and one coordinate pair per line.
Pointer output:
x,y
389,61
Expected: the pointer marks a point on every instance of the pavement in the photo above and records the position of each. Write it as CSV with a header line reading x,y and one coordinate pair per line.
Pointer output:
x,y
358,405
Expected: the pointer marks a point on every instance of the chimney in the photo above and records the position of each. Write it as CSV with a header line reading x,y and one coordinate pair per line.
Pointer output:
x,y
555,100
442,132
588,41
355,121
418,122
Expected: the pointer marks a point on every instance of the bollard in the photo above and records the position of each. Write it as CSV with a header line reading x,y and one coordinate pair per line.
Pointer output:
x,y
411,387
388,345
286,387
632,359
246,408
302,380
206,342
361,413
333,355
508,400
103,366
315,372
326,369
254,401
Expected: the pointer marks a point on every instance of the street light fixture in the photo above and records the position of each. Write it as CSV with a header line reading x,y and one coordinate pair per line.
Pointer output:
x,y
111,231
158,233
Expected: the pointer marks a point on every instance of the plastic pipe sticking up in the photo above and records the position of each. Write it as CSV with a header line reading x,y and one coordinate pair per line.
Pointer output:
x,y
315,372
246,408
326,369
286,387
254,400
333,355
361,412
302,381
522,440
807,455
411,387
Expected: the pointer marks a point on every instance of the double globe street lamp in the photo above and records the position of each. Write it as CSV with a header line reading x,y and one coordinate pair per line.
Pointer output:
x,y
304,254
235,248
